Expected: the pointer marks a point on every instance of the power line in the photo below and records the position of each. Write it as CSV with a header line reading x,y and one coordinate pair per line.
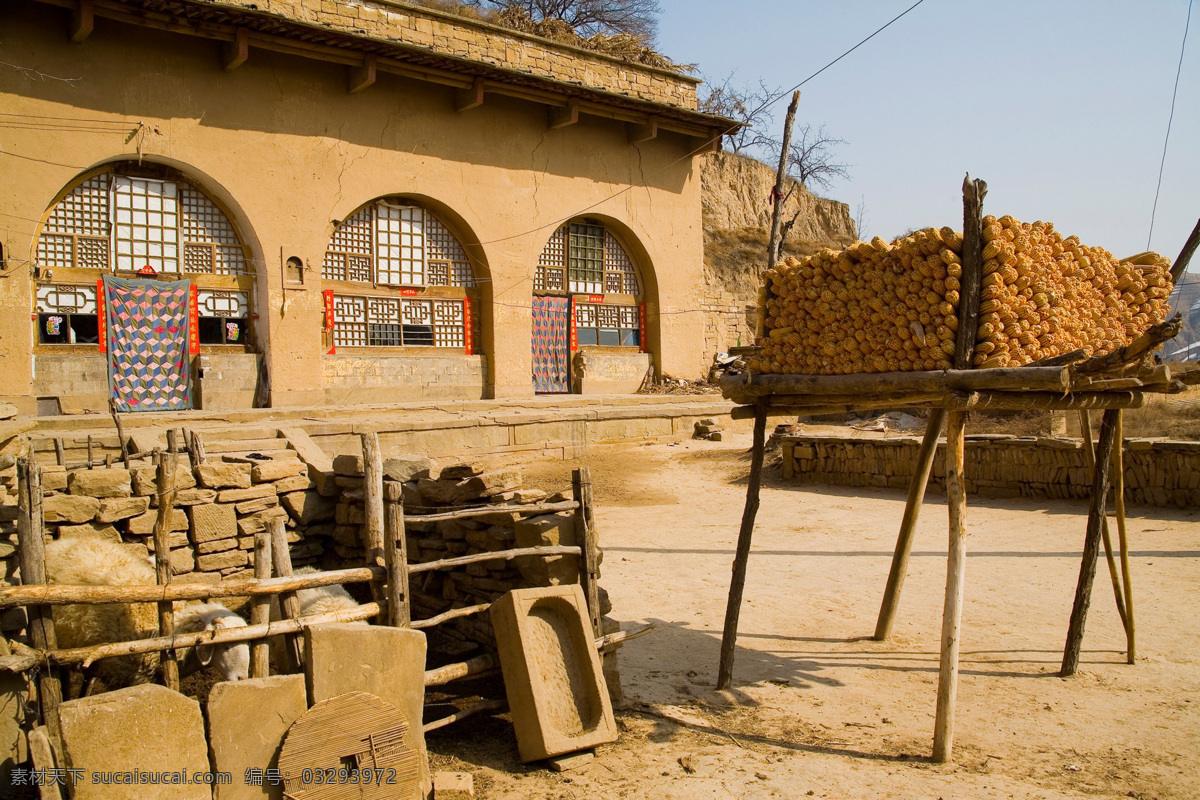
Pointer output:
x,y
1178,70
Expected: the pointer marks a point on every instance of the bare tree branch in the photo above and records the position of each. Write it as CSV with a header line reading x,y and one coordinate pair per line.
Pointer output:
x,y
811,160
747,104
590,17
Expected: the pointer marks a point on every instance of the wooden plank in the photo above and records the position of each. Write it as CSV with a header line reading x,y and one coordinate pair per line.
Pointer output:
x,y
733,608
1118,472
1091,546
908,525
972,272
260,608
956,562
1020,379
483,511
585,535
495,555
639,132
31,552
563,116
165,489
1042,401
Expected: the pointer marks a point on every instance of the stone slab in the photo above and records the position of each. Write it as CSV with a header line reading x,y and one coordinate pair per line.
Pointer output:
x,y
143,524
230,559
242,495
552,673
145,479
107,531
247,721
453,786
348,464
296,483
547,530
213,522
224,476
69,508
306,507
145,728
13,696
386,662
277,470
115,508
407,467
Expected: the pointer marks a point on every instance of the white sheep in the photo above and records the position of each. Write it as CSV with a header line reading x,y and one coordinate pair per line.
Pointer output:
x,y
92,561
319,600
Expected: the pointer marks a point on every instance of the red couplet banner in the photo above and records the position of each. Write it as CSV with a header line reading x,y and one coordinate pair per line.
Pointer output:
x,y
468,328
193,321
101,315
643,338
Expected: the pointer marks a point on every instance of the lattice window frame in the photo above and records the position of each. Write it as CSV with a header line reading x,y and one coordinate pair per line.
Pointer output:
x,y
592,319
585,258
145,231
374,321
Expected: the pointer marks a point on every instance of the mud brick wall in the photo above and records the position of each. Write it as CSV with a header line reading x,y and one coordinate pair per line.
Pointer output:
x,y
1157,472
477,41
423,489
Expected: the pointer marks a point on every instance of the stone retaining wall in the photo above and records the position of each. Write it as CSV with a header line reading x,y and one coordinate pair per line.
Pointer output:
x,y
1157,472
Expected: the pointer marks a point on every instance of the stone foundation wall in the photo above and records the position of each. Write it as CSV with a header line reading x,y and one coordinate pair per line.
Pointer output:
x,y
225,381
1157,472
389,379
601,372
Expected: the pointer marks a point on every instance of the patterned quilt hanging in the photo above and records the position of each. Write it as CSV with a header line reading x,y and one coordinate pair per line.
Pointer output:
x,y
147,327
551,344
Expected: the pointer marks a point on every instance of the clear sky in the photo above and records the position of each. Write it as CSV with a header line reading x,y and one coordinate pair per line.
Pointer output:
x,y
1060,105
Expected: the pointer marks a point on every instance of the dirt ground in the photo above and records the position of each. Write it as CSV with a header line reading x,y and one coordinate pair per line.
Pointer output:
x,y
820,710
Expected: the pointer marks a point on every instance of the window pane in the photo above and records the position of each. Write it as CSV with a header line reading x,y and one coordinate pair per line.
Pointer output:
x,y
610,337
631,338
418,335
212,330
587,336
586,258
52,329
384,335
85,329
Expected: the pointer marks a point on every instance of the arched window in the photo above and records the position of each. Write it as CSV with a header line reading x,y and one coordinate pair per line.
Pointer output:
x,y
400,278
585,260
139,219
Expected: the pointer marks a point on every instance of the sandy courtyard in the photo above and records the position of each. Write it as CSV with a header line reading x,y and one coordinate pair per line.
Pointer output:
x,y
820,710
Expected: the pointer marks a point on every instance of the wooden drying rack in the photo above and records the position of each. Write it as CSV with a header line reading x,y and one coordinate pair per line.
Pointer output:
x,y
1112,382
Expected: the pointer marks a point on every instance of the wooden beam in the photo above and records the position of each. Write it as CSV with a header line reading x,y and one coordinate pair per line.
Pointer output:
x,y
1185,255
562,116
466,99
972,272
83,21
643,132
363,75
235,53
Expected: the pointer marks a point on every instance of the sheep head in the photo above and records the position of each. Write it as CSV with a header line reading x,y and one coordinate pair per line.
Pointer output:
x,y
231,660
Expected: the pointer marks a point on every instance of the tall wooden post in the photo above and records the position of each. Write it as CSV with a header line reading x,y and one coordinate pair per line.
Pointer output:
x,y
165,488
1118,481
777,194
908,525
585,537
956,562
260,610
395,552
1091,544
31,550
373,497
1089,458
733,608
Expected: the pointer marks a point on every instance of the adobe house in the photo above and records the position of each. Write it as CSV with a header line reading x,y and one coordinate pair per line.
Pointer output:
x,y
219,204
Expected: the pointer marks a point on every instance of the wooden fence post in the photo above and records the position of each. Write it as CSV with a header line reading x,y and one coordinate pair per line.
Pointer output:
x,y
395,551
260,611
956,562
373,497
31,546
289,606
165,488
585,537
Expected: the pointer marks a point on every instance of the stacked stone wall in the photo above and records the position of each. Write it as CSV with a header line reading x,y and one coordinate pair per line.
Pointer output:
x,y
1157,472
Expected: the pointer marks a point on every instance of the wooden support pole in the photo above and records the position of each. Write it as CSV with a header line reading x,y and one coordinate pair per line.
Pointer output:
x,y
454,613
777,193
289,606
31,551
165,488
361,76
1089,458
59,457
235,53
585,535
1185,255
483,511
733,608
395,551
563,116
956,562
972,271
467,99
112,407
260,608
908,525
463,669
83,20
198,448
470,711
91,461
1118,480
1091,544
373,497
